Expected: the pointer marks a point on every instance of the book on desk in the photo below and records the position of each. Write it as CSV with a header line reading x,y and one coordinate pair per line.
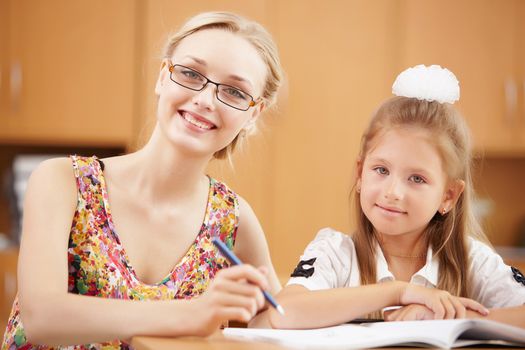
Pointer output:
x,y
436,333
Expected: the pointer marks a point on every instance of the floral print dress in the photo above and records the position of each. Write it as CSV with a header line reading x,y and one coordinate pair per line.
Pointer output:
x,y
98,264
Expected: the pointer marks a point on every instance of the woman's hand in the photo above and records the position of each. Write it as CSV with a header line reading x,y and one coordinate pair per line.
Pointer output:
x,y
440,302
234,294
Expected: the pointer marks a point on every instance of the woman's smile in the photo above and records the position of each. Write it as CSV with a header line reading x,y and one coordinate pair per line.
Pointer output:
x,y
196,121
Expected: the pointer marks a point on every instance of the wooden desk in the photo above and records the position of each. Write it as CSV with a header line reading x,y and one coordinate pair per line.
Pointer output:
x,y
216,342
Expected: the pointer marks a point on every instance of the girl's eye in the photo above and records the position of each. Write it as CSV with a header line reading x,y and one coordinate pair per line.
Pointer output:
x,y
417,179
381,170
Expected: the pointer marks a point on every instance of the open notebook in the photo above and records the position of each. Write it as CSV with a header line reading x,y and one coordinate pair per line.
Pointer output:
x,y
437,333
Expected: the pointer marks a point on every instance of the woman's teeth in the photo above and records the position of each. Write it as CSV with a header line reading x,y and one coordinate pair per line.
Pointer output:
x,y
190,119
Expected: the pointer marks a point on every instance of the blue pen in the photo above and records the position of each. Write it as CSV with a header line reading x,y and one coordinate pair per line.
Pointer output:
x,y
228,254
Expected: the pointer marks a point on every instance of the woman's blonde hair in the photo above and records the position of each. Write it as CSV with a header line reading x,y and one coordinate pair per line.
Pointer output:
x,y
250,30
447,234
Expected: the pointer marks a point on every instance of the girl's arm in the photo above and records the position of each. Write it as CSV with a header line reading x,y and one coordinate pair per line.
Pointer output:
x,y
251,246
321,308
509,315
52,316
497,285
328,307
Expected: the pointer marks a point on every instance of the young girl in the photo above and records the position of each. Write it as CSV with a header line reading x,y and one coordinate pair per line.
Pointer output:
x,y
417,245
137,258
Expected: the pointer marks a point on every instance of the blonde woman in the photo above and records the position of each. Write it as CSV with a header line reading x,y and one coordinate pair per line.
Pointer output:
x,y
118,247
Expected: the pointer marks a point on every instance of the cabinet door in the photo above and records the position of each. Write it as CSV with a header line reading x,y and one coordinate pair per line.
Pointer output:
x,y
72,67
477,40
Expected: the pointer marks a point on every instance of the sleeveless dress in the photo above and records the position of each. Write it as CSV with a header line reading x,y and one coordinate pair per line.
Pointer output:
x,y
98,264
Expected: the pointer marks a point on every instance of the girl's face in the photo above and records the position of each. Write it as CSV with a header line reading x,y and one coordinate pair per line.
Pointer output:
x,y
196,121
403,183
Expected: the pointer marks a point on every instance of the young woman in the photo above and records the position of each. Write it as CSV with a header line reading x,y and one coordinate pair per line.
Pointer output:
x,y
118,247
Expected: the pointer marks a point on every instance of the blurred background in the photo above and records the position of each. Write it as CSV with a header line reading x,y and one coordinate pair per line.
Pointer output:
x,y
78,77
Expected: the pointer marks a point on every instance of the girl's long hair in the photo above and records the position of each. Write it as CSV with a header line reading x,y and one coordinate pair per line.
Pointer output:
x,y
447,234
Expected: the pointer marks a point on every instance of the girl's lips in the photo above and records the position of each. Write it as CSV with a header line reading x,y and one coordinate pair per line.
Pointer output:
x,y
391,209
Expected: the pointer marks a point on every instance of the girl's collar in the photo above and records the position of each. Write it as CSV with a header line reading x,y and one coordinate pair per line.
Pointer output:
x,y
429,272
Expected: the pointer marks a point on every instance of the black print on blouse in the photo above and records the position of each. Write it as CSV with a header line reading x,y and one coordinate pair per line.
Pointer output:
x,y
300,271
518,276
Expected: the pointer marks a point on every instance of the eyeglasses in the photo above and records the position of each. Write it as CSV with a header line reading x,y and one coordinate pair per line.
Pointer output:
x,y
227,94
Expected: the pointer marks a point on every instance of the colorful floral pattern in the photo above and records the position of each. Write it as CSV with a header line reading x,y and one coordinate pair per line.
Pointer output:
x,y
99,266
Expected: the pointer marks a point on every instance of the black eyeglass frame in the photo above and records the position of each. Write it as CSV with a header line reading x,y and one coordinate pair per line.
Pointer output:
x,y
252,103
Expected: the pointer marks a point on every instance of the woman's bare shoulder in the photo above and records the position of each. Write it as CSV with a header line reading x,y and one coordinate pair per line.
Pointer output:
x,y
54,175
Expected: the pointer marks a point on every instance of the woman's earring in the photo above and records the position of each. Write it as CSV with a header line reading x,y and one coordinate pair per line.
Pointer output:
x,y
444,211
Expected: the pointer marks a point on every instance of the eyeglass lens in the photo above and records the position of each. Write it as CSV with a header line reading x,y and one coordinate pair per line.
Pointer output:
x,y
227,94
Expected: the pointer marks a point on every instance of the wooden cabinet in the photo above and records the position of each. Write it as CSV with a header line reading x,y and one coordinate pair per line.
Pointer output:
x,y
8,262
68,72
481,41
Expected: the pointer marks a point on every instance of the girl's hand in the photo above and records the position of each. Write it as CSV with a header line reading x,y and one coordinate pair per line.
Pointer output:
x,y
412,312
234,294
440,302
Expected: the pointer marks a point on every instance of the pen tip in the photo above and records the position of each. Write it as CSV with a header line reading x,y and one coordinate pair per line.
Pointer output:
x,y
280,309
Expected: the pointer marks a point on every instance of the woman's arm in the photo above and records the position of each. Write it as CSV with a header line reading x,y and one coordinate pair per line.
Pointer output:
x,y
252,248
251,245
53,316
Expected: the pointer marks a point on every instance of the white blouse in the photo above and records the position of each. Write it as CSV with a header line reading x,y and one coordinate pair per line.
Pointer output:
x,y
330,261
